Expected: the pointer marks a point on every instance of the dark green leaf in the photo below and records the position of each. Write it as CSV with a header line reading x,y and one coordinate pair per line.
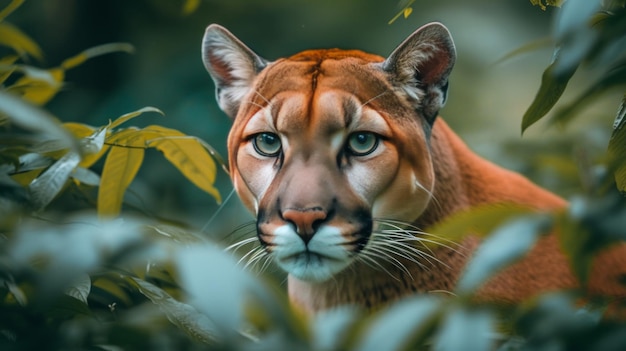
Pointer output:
x,y
550,91
617,147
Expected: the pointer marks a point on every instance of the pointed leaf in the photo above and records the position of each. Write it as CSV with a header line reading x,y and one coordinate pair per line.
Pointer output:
x,y
91,140
46,187
131,115
505,246
120,168
186,154
40,89
96,51
550,91
14,38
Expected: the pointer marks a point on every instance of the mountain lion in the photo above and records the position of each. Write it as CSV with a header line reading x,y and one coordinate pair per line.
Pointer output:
x,y
342,157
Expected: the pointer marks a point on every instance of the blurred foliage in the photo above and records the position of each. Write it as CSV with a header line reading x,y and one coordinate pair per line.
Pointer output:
x,y
83,282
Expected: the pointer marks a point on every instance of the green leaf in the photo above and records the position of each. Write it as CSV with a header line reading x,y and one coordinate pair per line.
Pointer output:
x,y
50,183
526,48
14,38
551,89
506,245
401,326
120,168
333,328
184,316
465,328
85,176
131,115
80,289
617,147
479,221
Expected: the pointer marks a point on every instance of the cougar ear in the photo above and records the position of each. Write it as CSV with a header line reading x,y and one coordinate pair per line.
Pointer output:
x,y
420,66
231,64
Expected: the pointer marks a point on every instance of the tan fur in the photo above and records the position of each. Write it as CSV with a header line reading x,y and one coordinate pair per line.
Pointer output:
x,y
315,202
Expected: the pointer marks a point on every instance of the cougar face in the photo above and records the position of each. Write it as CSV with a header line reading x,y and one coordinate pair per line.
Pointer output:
x,y
325,143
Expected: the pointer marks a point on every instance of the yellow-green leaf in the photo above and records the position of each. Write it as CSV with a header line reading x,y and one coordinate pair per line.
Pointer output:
x,y
6,67
39,86
10,8
120,168
188,155
190,6
407,12
131,115
12,37
96,51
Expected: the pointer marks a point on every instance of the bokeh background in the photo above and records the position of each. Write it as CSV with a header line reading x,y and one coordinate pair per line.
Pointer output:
x,y
487,98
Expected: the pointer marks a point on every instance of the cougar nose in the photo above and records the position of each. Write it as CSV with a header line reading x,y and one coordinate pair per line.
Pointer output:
x,y
305,220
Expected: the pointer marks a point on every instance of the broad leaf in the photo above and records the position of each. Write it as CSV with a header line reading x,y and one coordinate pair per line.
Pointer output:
x,y
184,316
506,245
186,154
46,187
402,326
85,176
465,328
120,168
35,119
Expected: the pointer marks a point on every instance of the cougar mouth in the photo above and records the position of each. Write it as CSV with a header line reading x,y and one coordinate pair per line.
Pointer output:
x,y
323,255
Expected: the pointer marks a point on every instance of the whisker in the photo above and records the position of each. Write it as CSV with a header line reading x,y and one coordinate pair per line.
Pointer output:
x,y
374,98
234,247
386,254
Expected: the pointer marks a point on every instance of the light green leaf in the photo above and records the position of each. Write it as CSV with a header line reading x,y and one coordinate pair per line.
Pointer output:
x,y
120,168
35,119
401,325
464,328
86,176
14,38
46,187
506,245
131,115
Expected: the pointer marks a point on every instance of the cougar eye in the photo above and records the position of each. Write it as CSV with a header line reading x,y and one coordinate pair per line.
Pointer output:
x,y
266,144
362,143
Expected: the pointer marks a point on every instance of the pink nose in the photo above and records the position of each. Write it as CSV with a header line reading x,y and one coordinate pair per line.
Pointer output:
x,y
306,221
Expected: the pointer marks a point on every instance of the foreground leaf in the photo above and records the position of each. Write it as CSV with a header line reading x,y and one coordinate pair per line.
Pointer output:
x,y
184,316
14,38
50,183
35,119
465,328
505,246
120,168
